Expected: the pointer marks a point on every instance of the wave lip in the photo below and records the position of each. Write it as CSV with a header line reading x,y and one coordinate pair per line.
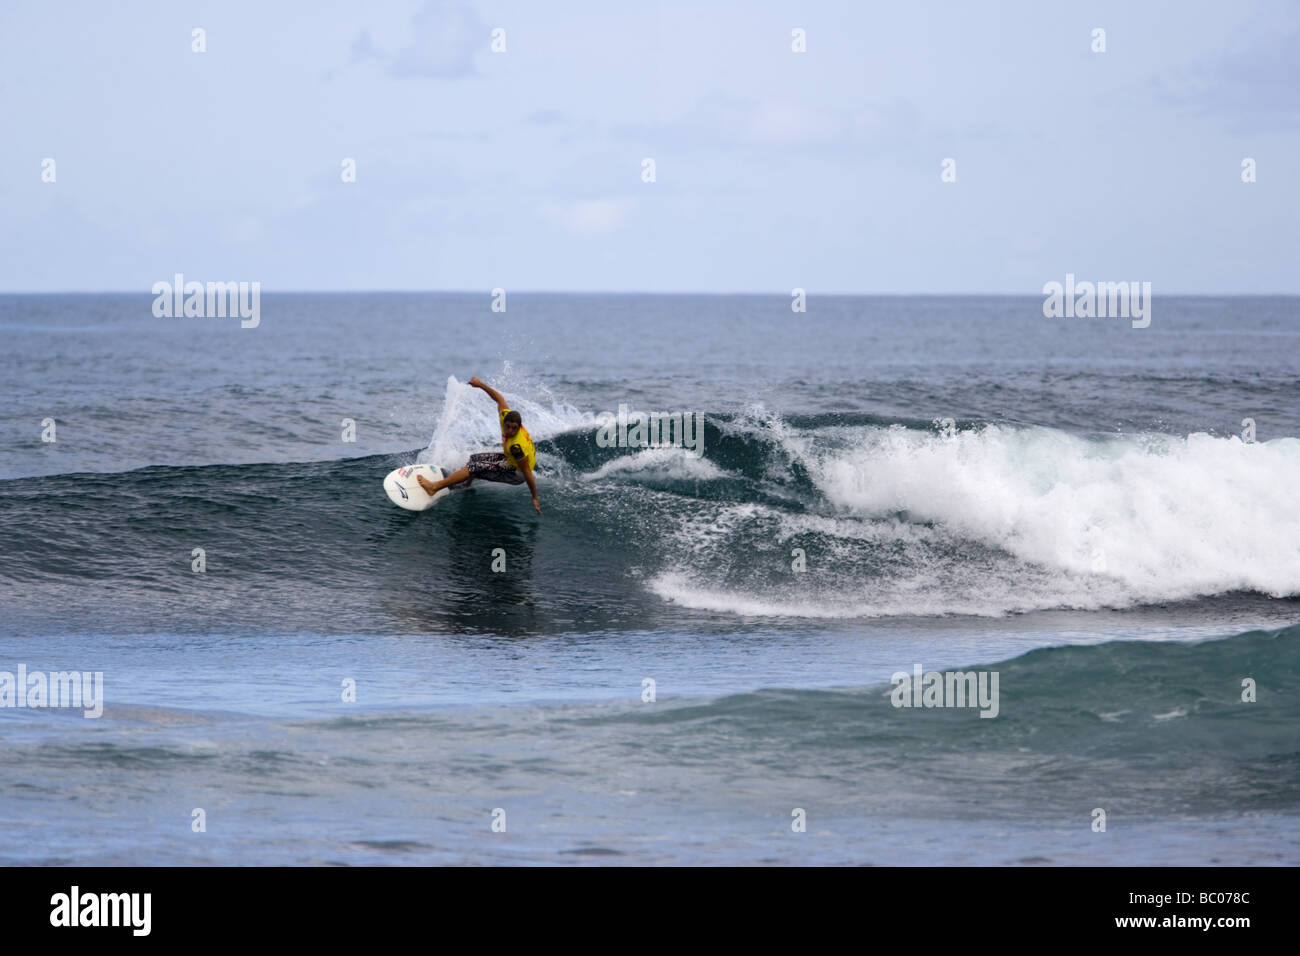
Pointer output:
x,y
1169,518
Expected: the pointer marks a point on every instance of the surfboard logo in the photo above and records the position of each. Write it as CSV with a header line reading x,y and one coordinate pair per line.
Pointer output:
x,y
402,489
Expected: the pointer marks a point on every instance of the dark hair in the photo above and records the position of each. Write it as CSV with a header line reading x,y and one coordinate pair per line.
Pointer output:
x,y
513,416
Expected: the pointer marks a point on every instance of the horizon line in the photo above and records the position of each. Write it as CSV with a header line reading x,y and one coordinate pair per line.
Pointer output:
x,y
629,292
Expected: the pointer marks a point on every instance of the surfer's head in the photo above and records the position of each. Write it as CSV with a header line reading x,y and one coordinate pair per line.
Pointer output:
x,y
510,424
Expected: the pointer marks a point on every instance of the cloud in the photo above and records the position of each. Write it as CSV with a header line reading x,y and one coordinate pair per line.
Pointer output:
x,y
778,123
445,37
722,119
1253,86
725,121
588,217
546,118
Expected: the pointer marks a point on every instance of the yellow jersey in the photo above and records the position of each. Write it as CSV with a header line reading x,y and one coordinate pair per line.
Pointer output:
x,y
522,439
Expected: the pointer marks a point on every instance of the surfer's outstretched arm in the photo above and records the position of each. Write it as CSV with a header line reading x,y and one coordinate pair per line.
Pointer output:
x,y
532,485
496,396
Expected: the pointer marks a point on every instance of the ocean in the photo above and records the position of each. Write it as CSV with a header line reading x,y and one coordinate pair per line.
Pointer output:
x,y
694,655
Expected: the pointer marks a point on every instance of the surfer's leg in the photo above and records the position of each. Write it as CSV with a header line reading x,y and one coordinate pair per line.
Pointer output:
x,y
492,466
433,487
488,465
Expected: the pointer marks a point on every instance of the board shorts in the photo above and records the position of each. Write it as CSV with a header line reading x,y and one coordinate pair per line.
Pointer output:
x,y
493,466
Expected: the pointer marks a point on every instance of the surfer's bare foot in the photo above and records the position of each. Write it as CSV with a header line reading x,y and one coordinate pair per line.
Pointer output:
x,y
427,485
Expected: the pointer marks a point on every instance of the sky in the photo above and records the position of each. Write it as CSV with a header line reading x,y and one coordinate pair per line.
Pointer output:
x,y
773,169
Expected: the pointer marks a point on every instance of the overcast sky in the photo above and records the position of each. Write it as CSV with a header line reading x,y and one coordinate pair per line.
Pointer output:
x,y
774,169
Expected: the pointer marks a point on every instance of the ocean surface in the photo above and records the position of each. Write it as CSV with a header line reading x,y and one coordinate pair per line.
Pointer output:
x,y
689,656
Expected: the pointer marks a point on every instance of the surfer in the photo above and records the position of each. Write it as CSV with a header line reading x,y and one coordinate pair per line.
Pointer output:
x,y
514,466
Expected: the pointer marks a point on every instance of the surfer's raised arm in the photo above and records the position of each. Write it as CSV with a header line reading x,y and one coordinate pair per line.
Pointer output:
x,y
496,396
513,465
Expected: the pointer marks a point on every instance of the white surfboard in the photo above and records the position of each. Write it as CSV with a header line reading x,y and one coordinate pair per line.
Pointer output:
x,y
405,492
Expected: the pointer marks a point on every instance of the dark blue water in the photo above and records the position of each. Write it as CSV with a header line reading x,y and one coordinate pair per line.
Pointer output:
x,y
1090,524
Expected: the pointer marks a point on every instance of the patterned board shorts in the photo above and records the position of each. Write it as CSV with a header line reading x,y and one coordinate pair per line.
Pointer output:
x,y
492,466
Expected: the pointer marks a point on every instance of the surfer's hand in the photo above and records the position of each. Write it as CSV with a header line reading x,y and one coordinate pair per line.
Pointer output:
x,y
476,382
537,505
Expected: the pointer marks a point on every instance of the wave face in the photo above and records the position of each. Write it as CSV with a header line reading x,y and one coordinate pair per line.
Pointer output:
x,y
889,519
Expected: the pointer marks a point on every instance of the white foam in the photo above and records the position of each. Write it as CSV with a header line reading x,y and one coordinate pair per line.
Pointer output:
x,y
679,589
1170,518
922,593
1000,520
659,463
468,421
